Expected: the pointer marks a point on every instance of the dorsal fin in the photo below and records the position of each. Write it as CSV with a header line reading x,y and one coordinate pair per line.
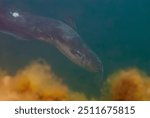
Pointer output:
x,y
70,21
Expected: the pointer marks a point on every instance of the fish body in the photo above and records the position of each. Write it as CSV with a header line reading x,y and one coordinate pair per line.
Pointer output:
x,y
60,35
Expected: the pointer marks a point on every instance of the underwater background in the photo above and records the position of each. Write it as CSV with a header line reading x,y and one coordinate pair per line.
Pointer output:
x,y
118,31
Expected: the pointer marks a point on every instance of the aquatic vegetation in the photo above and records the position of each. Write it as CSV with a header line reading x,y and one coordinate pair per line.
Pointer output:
x,y
35,82
125,85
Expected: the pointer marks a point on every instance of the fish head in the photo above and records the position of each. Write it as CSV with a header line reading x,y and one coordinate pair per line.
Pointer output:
x,y
71,45
86,58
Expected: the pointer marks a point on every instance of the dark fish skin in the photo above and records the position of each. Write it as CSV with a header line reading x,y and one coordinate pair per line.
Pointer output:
x,y
28,26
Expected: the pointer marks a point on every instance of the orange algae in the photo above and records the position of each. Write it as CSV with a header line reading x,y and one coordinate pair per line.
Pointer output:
x,y
36,82
129,85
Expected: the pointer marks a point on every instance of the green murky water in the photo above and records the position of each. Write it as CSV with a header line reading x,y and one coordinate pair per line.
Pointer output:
x,y
116,30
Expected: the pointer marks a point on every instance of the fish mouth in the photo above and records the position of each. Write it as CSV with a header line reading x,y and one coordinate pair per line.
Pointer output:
x,y
92,62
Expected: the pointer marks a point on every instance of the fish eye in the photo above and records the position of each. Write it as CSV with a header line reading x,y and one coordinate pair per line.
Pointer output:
x,y
76,52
